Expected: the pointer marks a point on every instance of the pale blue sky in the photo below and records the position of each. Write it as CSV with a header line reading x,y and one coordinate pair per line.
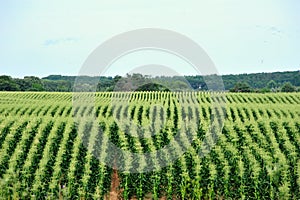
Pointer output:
x,y
39,38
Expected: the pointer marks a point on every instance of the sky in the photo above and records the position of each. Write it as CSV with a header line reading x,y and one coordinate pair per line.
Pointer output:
x,y
56,37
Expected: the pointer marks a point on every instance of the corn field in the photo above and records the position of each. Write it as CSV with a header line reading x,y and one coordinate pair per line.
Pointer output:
x,y
46,153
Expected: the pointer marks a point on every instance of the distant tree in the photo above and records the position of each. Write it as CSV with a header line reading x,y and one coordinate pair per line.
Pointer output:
x,y
24,85
105,85
152,87
136,80
259,82
57,86
54,77
8,84
35,82
179,85
271,84
196,82
241,87
288,87
129,83
116,79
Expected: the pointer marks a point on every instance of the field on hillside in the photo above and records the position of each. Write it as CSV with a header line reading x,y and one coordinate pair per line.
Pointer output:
x,y
49,149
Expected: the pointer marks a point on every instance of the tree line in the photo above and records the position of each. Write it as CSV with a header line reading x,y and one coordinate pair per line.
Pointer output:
x,y
258,82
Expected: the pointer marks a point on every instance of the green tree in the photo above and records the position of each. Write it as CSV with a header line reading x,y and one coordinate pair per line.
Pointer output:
x,y
271,84
35,82
23,84
241,87
105,84
152,87
288,87
8,84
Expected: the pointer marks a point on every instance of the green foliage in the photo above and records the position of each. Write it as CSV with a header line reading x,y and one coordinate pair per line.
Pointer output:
x,y
44,154
241,87
271,84
8,84
152,87
260,82
288,87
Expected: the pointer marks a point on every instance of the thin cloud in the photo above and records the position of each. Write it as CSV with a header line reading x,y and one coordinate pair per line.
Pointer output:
x,y
272,29
52,42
